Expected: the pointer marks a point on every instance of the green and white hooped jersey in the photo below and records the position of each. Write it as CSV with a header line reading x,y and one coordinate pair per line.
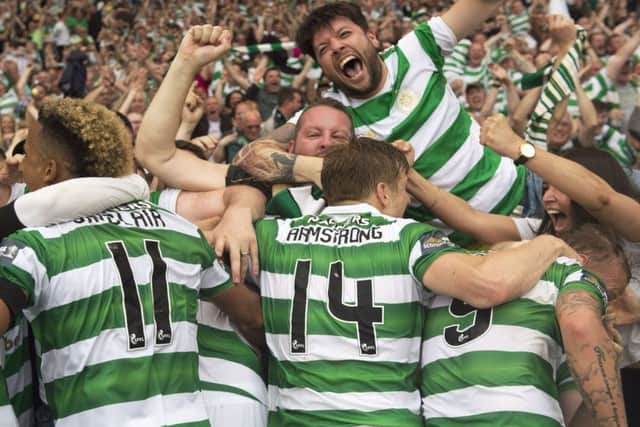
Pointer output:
x,y
295,202
519,23
166,199
416,104
7,415
16,387
121,288
501,366
478,74
502,106
342,307
616,143
227,362
455,62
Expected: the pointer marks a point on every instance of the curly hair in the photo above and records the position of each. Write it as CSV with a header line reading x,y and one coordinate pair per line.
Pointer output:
x,y
93,137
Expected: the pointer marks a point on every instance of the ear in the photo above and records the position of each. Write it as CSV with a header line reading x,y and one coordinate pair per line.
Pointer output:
x,y
584,260
51,171
382,195
373,39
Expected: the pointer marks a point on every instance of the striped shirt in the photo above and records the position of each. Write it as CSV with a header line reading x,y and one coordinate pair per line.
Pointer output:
x,y
112,301
454,64
342,307
519,23
417,105
478,74
501,106
9,102
227,362
616,143
503,365
16,370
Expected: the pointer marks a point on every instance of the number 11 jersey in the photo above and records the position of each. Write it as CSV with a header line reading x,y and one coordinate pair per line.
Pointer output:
x,y
112,300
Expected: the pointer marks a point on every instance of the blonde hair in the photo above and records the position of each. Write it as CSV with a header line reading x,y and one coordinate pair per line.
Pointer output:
x,y
93,137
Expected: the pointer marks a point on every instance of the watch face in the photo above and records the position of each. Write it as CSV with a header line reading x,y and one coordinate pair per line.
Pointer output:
x,y
528,150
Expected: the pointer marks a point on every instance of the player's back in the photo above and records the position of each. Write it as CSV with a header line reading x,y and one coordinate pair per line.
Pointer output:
x,y
113,306
500,366
342,315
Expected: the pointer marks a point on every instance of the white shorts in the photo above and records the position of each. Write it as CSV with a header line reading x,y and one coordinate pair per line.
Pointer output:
x,y
233,410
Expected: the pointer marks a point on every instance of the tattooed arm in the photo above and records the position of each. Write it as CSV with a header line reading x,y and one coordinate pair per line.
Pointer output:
x,y
269,161
591,356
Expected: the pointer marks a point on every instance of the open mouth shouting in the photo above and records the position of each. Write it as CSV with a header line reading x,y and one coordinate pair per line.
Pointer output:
x,y
559,220
351,67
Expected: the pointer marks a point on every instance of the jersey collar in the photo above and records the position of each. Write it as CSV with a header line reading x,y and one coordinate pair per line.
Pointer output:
x,y
358,208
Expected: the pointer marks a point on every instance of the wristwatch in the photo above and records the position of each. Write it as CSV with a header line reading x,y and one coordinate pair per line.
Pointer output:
x,y
527,152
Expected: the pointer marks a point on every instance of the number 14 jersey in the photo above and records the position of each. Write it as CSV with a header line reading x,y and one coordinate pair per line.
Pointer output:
x,y
342,306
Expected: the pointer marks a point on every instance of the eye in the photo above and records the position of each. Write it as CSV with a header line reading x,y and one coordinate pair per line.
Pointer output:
x,y
344,34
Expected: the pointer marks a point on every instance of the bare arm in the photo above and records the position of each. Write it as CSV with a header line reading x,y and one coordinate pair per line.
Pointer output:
x,y
498,277
591,356
239,79
155,147
302,75
525,107
269,161
459,215
513,98
94,94
466,16
22,81
589,116
243,308
284,133
489,102
616,62
582,186
570,403
126,104
5,317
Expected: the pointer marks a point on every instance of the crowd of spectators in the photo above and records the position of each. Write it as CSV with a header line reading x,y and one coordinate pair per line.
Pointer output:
x,y
117,54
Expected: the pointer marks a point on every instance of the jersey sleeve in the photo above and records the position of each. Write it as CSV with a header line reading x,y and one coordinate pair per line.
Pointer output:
x,y
166,199
442,34
214,278
430,246
42,207
564,378
21,273
584,280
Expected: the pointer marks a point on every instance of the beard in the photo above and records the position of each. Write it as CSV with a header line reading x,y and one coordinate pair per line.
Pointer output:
x,y
372,64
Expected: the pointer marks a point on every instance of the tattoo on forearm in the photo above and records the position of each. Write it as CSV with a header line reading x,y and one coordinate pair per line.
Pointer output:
x,y
593,363
283,162
601,355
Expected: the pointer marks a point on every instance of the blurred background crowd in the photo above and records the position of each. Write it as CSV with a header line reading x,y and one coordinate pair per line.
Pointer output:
x,y
117,52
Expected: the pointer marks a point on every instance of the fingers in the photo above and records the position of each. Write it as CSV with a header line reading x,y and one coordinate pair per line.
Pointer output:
x,y
209,35
255,261
236,262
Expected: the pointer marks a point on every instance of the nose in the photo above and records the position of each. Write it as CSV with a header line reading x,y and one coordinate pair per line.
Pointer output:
x,y
549,195
336,45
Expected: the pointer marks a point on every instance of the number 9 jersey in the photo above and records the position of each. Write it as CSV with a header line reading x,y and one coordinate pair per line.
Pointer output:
x,y
501,366
343,315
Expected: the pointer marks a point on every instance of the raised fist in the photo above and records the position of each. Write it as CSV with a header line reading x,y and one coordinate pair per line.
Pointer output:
x,y
204,44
